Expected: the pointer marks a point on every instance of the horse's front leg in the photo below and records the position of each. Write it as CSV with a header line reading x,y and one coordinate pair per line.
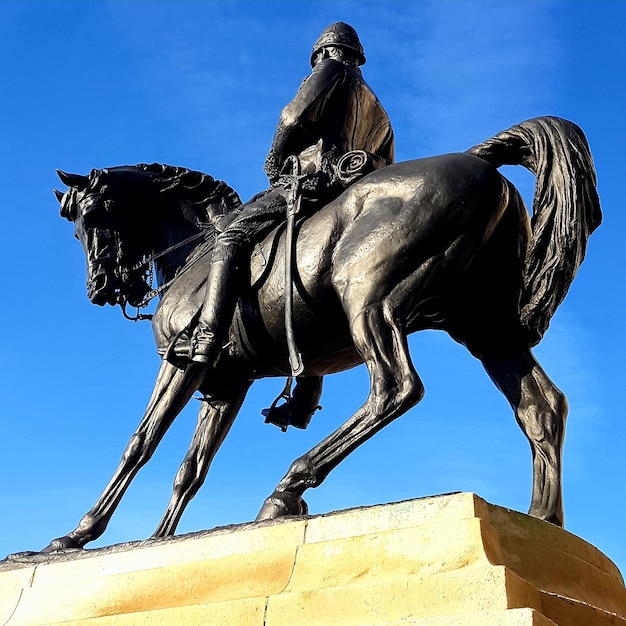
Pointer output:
x,y
214,421
173,389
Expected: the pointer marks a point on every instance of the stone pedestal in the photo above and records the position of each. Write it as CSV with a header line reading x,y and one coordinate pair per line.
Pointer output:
x,y
450,560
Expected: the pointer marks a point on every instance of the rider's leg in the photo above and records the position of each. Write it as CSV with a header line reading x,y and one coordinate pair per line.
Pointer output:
x,y
223,287
219,302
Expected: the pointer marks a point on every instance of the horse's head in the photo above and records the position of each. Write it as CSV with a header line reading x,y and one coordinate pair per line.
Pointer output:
x,y
110,236
125,215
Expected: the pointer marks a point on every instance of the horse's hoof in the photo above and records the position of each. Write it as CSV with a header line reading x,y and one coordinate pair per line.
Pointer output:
x,y
61,545
553,518
282,504
22,557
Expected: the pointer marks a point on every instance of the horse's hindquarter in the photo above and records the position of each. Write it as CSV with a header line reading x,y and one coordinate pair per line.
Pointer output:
x,y
418,227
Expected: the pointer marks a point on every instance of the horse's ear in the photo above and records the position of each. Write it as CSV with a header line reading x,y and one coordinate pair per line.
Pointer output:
x,y
73,180
68,208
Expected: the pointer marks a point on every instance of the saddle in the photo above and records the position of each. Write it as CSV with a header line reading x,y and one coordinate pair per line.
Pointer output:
x,y
349,168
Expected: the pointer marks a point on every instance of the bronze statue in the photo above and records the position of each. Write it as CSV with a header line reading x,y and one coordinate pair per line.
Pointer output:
x,y
443,242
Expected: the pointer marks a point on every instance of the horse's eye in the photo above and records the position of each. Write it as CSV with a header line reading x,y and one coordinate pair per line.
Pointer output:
x,y
90,217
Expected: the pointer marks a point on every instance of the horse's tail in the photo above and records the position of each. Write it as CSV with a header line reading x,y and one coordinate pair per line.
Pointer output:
x,y
566,208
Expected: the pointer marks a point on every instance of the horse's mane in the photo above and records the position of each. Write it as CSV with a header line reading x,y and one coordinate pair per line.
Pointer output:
x,y
203,199
206,197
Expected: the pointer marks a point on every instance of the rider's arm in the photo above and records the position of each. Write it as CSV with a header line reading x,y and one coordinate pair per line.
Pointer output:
x,y
298,125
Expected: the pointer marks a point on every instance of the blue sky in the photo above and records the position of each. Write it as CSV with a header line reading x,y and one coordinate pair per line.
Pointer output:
x,y
201,84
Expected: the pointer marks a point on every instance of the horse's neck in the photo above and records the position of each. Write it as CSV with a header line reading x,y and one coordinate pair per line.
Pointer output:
x,y
176,249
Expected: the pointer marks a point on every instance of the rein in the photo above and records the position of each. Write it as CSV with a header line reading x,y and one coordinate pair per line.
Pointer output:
x,y
148,262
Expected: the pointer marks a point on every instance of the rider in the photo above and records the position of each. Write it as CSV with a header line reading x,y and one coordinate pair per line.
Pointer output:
x,y
333,113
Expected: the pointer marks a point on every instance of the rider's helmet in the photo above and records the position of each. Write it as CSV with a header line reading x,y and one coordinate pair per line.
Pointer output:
x,y
341,35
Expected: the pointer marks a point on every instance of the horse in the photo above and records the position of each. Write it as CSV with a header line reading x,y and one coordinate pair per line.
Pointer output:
x,y
443,242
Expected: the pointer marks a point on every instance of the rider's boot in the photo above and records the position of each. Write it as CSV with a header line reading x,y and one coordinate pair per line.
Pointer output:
x,y
210,333
299,408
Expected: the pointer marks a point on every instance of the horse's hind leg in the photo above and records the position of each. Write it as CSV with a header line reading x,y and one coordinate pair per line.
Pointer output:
x,y
215,418
394,388
172,391
540,409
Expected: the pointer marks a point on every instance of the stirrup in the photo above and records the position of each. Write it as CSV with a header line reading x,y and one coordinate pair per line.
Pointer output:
x,y
283,416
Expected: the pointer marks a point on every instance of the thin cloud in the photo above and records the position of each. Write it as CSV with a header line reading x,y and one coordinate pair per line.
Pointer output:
x,y
474,68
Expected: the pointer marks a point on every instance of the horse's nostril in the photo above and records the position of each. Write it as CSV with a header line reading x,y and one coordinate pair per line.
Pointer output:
x,y
98,282
96,287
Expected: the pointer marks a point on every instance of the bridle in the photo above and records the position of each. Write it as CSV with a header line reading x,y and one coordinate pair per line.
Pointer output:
x,y
134,278
148,263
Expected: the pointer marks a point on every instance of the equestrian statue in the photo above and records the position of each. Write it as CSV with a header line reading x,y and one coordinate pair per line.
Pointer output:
x,y
335,264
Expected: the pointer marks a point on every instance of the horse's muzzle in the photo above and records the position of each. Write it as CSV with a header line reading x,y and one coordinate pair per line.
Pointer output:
x,y
99,289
